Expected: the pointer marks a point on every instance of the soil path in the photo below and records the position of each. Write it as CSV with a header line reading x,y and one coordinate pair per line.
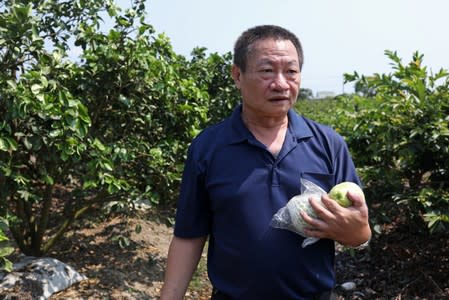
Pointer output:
x,y
125,259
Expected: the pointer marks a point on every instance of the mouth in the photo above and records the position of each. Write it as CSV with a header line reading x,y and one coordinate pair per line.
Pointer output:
x,y
279,99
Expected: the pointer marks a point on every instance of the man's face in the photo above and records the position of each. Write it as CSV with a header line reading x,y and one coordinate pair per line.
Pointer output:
x,y
270,84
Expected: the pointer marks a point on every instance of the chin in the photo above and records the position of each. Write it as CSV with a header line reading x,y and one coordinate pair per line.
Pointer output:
x,y
284,104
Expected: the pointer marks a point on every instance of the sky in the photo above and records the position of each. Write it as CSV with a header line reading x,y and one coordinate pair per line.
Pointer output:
x,y
337,36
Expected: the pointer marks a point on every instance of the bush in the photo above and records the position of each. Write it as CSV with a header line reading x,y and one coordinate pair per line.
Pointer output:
x,y
400,137
111,126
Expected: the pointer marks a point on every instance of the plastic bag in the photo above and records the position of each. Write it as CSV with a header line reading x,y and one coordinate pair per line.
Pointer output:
x,y
289,217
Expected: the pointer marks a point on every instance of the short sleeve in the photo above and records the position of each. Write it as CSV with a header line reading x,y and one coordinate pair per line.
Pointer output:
x,y
193,210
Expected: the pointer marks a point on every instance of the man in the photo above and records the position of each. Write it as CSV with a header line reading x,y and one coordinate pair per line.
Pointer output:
x,y
241,171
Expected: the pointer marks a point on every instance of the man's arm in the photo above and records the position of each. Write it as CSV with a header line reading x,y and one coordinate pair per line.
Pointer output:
x,y
182,260
348,226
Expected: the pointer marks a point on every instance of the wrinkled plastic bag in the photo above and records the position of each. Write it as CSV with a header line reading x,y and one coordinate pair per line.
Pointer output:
x,y
289,217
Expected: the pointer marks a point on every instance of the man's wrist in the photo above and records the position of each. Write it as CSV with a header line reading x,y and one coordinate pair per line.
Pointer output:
x,y
361,246
367,235
355,245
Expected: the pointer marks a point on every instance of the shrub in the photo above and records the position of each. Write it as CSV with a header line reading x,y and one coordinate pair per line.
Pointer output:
x,y
400,137
111,126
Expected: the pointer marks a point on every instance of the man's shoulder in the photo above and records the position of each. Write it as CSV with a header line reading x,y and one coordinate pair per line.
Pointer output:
x,y
324,134
210,132
319,126
316,128
212,136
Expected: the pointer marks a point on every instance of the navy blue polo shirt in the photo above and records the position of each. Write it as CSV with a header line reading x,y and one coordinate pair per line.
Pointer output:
x,y
231,188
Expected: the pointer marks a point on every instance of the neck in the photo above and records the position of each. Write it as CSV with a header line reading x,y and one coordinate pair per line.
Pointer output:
x,y
264,122
268,131
265,126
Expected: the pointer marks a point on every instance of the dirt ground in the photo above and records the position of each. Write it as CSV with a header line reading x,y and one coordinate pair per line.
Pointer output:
x,y
121,261
124,263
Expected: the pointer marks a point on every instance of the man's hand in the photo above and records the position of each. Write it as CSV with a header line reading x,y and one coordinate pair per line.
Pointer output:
x,y
348,226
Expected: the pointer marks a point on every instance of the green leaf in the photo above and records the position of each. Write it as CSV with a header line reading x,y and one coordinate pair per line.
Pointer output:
x,y
21,13
56,133
48,180
98,144
12,84
81,129
8,144
138,228
444,131
35,32
124,242
4,146
421,90
7,265
112,11
123,22
83,113
89,184
5,251
27,143
3,237
114,35
107,165
36,88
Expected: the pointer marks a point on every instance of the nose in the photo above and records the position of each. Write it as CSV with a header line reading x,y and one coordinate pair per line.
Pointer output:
x,y
279,82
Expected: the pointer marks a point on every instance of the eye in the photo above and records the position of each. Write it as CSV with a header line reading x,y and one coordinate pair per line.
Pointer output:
x,y
292,74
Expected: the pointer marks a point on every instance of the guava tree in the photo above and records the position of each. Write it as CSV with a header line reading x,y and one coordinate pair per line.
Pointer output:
x,y
109,126
212,73
400,136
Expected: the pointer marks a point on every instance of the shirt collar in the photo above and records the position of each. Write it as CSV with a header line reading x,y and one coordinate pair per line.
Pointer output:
x,y
298,126
239,132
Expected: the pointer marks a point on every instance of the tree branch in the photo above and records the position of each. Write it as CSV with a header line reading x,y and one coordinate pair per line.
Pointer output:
x,y
45,212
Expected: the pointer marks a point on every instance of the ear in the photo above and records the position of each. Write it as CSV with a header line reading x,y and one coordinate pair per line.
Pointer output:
x,y
236,73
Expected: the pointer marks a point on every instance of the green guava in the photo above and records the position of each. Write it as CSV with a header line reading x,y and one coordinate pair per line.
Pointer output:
x,y
339,192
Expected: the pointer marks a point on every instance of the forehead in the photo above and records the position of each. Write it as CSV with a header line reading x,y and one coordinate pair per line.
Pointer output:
x,y
271,49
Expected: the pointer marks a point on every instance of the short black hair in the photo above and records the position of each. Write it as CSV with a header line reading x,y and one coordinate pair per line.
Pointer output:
x,y
247,38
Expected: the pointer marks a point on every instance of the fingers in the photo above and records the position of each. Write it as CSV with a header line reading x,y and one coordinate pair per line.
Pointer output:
x,y
336,222
356,198
324,217
311,221
316,226
330,204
